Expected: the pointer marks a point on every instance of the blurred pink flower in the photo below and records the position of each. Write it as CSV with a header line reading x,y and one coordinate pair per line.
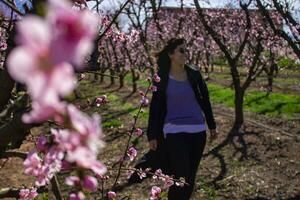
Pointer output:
x,y
41,143
132,153
138,132
28,194
32,163
79,196
73,32
144,101
153,88
156,78
72,180
155,193
3,46
111,195
41,112
90,183
101,100
83,141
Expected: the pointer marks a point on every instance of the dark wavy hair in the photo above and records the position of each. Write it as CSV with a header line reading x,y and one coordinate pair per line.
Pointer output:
x,y
163,59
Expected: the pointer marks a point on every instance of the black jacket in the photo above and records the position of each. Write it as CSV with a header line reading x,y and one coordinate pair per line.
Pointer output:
x,y
158,105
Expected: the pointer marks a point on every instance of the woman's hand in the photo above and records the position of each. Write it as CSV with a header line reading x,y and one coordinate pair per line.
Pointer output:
x,y
213,135
153,144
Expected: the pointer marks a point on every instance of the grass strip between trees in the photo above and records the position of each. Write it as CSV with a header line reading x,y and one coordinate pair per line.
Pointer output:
x,y
274,104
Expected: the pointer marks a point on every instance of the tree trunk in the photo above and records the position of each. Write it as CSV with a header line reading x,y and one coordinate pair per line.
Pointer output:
x,y
101,78
134,79
239,114
112,79
121,81
6,86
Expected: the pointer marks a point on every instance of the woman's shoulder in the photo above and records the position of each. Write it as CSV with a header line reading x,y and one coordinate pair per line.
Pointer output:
x,y
194,70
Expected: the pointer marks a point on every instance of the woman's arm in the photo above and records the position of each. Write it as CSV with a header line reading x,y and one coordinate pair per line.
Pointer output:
x,y
206,105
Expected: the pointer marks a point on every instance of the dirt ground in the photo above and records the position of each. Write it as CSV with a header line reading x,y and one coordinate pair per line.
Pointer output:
x,y
261,162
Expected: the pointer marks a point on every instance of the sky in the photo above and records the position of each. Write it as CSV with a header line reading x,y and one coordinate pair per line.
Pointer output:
x,y
212,3
111,4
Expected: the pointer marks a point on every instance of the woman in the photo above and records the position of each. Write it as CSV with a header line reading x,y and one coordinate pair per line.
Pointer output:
x,y
176,123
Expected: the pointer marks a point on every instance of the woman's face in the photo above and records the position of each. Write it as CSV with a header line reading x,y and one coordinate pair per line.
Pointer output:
x,y
179,56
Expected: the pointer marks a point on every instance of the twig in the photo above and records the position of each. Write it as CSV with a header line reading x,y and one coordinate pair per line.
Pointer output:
x,y
19,154
112,21
12,7
55,188
129,138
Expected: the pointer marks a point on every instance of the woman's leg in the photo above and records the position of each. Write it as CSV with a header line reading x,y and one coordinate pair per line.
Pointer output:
x,y
197,141
178,154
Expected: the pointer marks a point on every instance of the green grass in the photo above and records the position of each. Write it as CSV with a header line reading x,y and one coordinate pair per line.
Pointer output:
x,y
112,123
275,104
208,190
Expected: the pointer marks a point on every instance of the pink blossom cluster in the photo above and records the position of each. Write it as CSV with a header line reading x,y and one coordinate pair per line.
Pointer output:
x,y
138,132
144,100
111,195
82,140
78,145
101,100
48,49
167,180
28,194
117,35
3,45
155,193
43,168
132,153
88,182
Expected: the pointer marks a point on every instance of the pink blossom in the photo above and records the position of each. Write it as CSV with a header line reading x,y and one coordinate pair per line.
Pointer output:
x,y
153,88
72,181
79,196
41,112
3,46
144,101
80,148
138,132
65,165
111,195
132,153
45,174
129,173
134,35
156,78
48,46
142,93
141,173
73,32
105,21
32,163
81,77
101,100
53,158
41,143
155,193
158,173
90,183
28,194
168,181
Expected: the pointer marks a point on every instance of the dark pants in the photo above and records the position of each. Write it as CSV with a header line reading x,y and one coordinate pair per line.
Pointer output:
x,y
184,152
